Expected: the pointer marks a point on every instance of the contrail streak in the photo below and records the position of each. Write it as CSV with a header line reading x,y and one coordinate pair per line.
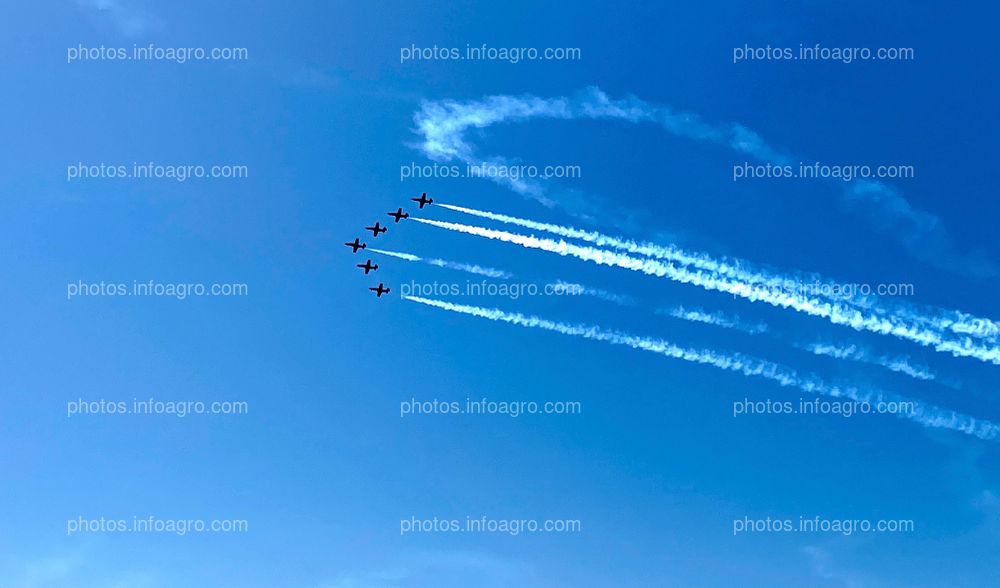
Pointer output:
x,y
860,354
924,414
397,254
805,286
647,249
835,313
698,315
464,267
619,299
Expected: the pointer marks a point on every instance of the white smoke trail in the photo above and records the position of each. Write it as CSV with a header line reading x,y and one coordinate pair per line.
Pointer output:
x,y
619,299
396,254
863,355
804,286
701,261
698,315
470,268
835,313
463,267
924,414
559,285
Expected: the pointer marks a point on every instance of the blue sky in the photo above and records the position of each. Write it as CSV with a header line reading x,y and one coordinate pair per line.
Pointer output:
x,y
323,115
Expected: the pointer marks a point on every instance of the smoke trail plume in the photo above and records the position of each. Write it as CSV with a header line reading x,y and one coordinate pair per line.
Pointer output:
x,y
924,414
698,315
619,299
463,267
863,355
808,285
835,313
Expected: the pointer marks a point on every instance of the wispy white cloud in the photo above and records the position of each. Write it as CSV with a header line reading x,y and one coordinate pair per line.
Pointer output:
x,y
442,126
76,570
442,568
824,567
131,18
924,414
833,312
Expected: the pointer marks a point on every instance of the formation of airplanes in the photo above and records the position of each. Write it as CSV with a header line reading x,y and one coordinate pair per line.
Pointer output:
x,y
377,229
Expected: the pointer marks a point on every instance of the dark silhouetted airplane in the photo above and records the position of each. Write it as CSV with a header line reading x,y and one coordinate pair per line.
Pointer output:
x,y
399,214
423,200
376,229
379,291
356,245
367,266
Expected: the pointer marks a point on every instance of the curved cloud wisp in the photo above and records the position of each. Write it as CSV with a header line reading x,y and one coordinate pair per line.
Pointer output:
x,y
442,126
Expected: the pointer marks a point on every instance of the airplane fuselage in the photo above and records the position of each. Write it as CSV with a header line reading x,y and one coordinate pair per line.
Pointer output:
x,y
423,200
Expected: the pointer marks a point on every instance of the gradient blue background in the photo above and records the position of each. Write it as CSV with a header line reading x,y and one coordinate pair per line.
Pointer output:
x,y
323,468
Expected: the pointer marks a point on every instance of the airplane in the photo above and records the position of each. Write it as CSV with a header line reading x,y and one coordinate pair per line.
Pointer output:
x,y
399,214
376,229
379,291
367,266
423,200
356,245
